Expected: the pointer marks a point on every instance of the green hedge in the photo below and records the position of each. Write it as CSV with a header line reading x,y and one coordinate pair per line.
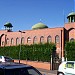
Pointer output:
x,y
37,52
70,50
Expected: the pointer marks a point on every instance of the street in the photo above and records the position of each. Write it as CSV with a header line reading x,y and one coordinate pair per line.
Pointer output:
x,y
48,72
45,73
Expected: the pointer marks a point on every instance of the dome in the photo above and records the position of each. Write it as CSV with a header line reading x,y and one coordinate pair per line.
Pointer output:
x,y
8,24
71,14
39,26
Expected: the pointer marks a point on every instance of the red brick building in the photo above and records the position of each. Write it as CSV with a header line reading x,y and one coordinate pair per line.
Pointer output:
x,y
40,33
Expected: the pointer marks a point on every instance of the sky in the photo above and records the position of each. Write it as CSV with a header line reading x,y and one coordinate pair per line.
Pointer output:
x,y
23,14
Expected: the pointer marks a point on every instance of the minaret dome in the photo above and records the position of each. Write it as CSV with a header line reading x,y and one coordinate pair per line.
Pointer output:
x,y
71,17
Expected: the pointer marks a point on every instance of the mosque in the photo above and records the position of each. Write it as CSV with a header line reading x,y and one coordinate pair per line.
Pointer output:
x,y
40,33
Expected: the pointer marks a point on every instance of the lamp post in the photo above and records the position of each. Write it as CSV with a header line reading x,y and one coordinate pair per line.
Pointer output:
x,y
20,44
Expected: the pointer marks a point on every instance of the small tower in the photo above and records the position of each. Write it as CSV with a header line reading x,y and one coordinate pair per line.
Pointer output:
x,y
71,17
8,26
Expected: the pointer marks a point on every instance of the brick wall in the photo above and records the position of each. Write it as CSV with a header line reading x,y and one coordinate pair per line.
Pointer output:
x,y
42,65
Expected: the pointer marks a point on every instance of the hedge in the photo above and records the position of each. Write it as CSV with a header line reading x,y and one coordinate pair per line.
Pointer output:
x,y
36,52
70,50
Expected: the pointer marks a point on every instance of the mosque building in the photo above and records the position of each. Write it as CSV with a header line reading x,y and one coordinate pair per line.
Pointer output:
x,y
40,33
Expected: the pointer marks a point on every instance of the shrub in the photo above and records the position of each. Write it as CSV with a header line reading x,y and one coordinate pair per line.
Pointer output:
x,y
36,52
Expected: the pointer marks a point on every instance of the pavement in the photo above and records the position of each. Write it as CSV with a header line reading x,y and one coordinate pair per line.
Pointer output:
x,y
48,72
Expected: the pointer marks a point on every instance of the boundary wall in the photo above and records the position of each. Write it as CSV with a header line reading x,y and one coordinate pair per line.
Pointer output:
x,y
36,64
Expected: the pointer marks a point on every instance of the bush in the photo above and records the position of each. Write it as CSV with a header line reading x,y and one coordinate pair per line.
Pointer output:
x,y
70,50
36,52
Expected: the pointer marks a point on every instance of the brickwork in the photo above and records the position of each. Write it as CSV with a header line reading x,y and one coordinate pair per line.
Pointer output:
x,y
53,32
42,65
32,33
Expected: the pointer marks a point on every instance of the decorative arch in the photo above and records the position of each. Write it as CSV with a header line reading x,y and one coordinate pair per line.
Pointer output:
x,y
49,39
57,39
35,40
22,40
7,41
72,39
17,41
42,39
0,38
71,29
28,40
12,41
71,34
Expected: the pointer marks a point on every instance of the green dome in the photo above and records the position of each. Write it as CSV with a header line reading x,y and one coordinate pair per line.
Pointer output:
x,y
8,24
71,14
39,26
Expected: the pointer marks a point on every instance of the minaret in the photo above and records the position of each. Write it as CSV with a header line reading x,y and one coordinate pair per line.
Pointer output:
x,y
8,26
71,17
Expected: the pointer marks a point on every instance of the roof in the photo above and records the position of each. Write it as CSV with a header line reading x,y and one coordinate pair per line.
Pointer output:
x,y
11,65
39,26
71,14
8,24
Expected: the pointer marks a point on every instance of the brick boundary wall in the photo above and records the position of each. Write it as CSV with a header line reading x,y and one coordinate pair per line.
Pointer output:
x,y
42,65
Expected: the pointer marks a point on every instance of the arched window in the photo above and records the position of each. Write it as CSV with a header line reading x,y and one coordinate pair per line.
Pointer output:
x,y
12,41
17,41
72,39
49,39
57,39
28,40
42,39
22,40
2,43
35,40
7,41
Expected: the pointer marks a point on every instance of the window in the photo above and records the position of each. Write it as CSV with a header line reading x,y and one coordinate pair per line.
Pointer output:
x,y
8,59
42,39
22,71
70,65
17,41
57,39
72,39
28,40
2,43
7,41
32,71
12,41
35,40
49,39
22,40
0,57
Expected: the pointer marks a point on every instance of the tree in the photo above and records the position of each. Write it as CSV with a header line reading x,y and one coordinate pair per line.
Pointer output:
x,y
70,50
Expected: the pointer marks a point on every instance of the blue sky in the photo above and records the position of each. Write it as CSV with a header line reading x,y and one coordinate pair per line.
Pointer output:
x,y
23,14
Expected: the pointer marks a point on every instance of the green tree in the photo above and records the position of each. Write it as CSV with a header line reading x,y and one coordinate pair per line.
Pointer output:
x,y
70,50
